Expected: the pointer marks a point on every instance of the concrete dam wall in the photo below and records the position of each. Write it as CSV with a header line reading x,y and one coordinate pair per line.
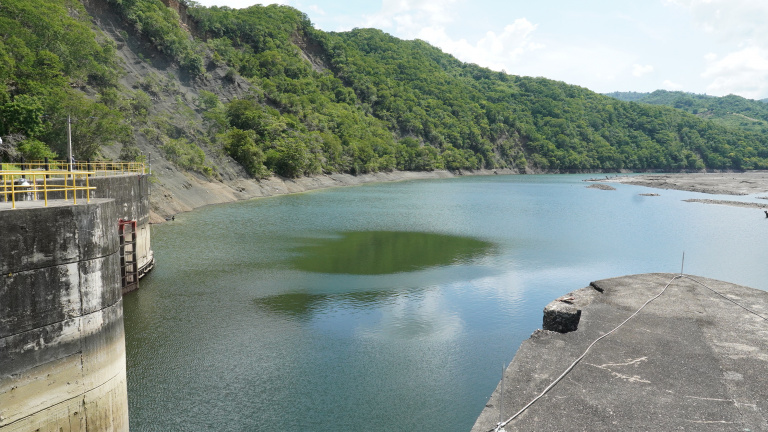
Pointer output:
x,y
131,195
62,346
62,343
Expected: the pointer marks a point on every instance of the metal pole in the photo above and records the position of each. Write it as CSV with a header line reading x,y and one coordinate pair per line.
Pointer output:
x,y
69,140
683,264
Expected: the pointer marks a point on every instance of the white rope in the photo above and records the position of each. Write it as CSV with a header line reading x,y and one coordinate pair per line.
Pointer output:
x,y
575,362
727,298
500,425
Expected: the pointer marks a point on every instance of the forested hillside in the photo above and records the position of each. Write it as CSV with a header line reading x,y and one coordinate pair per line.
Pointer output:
x,y
734,111
53,64
264,87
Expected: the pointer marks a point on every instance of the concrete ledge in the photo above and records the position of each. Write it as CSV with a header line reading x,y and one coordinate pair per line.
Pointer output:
x,y
691,360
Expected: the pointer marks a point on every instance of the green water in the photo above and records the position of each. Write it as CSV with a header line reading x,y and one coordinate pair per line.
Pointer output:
x,y
387,252
391,307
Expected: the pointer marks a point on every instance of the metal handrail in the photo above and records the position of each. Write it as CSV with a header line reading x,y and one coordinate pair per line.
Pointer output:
x,y
100,168
33,184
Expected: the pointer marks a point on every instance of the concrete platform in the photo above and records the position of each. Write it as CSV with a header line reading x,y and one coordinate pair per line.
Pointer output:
x,y
689,361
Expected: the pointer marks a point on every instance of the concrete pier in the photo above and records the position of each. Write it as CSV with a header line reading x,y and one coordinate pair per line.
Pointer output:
x,y
62,346
691,360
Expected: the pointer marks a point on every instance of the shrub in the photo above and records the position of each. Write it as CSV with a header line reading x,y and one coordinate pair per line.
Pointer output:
x,y
186,155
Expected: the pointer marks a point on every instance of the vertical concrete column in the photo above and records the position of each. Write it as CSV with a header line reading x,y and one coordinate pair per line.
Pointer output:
x,y
62,343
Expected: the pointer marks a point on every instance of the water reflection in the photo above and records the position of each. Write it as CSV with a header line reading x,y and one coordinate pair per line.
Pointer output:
x,y
388,252
303,305
232,322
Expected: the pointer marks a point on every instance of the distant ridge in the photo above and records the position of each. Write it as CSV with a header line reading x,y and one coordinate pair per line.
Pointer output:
x,y
730,111
226,94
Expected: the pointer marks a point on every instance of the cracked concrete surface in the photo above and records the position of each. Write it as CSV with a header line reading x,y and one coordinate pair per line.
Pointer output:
x,y
691,361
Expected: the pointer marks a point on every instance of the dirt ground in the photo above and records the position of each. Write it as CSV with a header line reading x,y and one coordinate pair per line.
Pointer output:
x,y
748,183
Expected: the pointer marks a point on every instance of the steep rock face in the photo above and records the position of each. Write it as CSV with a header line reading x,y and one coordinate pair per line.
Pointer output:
x,y
174,190
311,51
186,21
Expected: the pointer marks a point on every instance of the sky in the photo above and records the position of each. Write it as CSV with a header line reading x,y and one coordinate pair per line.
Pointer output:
x,y
715,47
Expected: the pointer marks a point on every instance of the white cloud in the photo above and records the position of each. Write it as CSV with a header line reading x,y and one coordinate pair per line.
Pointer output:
x,y
669,85
494,50
316,9
640,70
240,4
430,21
729,19
743,72
739,24
408,17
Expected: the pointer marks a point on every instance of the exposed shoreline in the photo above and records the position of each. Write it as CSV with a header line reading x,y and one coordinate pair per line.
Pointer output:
x,y
737,184
172,196
746,183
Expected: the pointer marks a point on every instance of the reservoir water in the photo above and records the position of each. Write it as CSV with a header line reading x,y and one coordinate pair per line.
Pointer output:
x,y
392,307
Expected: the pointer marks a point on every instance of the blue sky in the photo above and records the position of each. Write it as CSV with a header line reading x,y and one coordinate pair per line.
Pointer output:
x,y
717,47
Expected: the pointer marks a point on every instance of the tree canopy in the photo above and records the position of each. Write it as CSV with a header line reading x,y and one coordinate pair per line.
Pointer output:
x,y
49,54
356,102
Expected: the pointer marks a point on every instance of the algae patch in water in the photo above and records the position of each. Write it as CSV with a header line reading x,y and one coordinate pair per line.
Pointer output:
x,y
388,252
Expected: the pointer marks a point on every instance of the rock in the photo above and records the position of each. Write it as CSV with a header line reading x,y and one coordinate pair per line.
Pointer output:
x,y
601,187
561,317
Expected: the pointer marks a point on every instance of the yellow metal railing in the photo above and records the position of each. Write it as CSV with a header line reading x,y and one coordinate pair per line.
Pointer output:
x,y
99,168
36,185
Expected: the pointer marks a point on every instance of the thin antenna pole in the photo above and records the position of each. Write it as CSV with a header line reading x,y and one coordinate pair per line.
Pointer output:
x,y
683,264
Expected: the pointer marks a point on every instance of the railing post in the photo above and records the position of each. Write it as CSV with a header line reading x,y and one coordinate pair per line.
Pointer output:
x,y
45,188
34,187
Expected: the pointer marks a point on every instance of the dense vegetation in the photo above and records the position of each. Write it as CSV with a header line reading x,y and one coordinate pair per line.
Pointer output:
x,y
731,110
49,57
375,102
358,101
